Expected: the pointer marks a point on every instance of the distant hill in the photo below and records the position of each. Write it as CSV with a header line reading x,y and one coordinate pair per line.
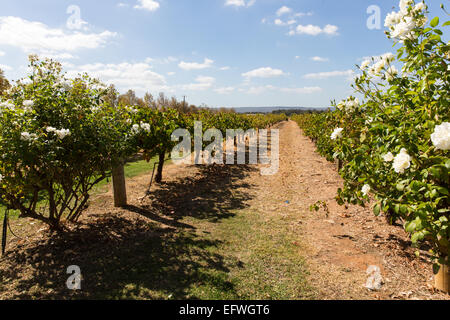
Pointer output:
x,y
271,109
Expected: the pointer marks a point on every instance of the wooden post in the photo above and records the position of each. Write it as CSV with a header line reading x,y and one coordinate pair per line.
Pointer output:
x,y
159,172
442,279
338,164
119,186
5,231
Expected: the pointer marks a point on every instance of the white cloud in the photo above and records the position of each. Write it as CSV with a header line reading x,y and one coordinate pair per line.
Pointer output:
x,y
266,72
278,22
319,59
331,74
304,90
225,68
201,83
283,10
4,67
38,37
236,3
330,29
375,58
224,90
240,3
2,53
57,56
170,73
121,4
149,5
207,63
136,76
316,30
309,29
166,60
302,14
262,89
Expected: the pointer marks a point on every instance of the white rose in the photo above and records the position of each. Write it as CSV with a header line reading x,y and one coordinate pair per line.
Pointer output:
x,y
391,73
404,28
441,136
379,66
145,127
63,133
352,104
135,128
388,157
392,19
404,5
25,136
28,103
402,161
419,7
337,133
1,178
50,129
365,64
7,105
341,105
365,189
388,57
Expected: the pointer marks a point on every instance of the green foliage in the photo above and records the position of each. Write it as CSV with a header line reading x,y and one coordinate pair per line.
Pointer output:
x,y
386,142
4,83
60,137
57,140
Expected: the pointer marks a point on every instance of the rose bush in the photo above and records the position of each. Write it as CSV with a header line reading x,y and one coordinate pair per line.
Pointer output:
x,y
395,144
57,141
59,137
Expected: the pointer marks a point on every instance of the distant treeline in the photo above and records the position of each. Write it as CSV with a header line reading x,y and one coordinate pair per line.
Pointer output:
x,y
161,101
290,112
113,97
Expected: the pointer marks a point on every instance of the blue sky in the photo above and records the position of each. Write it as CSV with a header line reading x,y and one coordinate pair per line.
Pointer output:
x,y
232,53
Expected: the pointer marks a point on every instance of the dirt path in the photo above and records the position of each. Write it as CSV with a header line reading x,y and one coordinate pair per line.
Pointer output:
x,y
339,245
222,232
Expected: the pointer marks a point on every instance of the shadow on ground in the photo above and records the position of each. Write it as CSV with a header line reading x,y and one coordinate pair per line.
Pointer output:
x,y
137,253
207,195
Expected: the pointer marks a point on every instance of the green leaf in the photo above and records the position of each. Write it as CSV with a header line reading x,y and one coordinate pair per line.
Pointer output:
x,y
418,236
434,22
436,268
377,209
410,226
